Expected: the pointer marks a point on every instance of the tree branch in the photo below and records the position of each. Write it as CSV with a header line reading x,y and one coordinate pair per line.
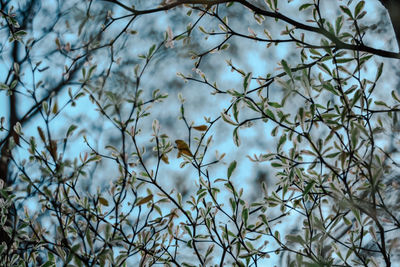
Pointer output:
x,y
393,8
394,11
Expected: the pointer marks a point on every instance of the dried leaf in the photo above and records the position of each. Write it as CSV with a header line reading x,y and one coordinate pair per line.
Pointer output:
x,y
164,158
41,134
183,148
53,149
201,128
103,201
144,200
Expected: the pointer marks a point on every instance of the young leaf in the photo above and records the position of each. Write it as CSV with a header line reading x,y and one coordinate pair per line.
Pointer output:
x,y
151,50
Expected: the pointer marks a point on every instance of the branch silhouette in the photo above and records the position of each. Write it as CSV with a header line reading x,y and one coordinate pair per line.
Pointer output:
x,y
393,8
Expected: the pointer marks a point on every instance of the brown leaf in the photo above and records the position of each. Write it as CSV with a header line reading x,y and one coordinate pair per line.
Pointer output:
x,y
144,200
55,108
53,149
164,158
103,201
201,128
41,134
183,148
186,152
181,144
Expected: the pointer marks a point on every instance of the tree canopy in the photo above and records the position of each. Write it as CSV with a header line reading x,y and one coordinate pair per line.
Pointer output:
x,y
199,133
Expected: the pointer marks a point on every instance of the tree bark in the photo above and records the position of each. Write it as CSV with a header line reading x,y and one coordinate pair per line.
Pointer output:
x,y
5,154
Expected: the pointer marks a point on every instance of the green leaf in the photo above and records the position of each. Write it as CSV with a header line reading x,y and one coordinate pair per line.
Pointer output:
x,y
346,10
308,188
356,97
395,96
231,168
359,7
275,104
339,24
236,138
270,114
48,264
245,215
381,103
246,82
305,6
91,70
354,136
71,129
277,235
233,204
324,67
332,155
151,50
294,239
224,46
20,33
4,86
379,73
282,140
226,118
363,60
328,86
235,111
286,68
276,165
344,60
